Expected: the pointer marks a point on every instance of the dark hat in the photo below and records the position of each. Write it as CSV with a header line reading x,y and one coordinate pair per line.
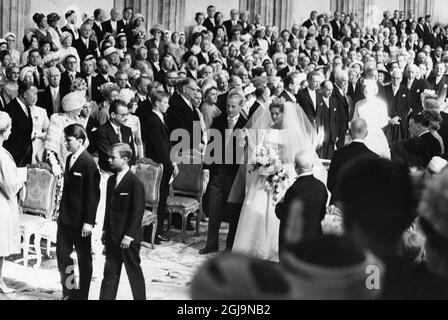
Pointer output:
x,y
53,17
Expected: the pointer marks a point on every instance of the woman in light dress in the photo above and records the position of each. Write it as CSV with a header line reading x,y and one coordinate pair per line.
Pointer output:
x,y
67,49
286,129
10,185
40,127
374,111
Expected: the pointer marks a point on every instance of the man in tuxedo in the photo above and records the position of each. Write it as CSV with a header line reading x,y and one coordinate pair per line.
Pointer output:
x,y
438,81
158,149
262,96
420,29
356,149
310,99
415,88
100,17
395,95
336,26
183,115
84,45
232,24
91,125
112,132
312,21
38,73
422,146
51,98
209,23
111,26
93,85
70,27
292,86
19,143
344,106
79,203
223,174
291,60
122,229
311,193
328,121
69,76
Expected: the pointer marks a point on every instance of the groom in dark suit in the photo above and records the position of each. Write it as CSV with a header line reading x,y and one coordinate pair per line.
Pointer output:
x,y
158,149
223,174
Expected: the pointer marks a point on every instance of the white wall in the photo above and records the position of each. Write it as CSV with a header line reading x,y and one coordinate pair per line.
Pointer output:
x,y
62,6
440,13
303,8
193,6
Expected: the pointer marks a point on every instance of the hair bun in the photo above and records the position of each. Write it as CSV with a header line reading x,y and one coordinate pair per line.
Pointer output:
x,y
37,17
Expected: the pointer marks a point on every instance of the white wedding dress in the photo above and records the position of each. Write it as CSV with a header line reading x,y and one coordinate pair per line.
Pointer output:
x,y
257,233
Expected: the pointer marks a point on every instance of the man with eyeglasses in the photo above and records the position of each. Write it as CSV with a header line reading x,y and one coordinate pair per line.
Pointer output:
x,y
112,132
70,74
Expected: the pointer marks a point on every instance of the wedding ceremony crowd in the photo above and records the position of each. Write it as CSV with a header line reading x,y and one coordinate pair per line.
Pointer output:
x,y
342,128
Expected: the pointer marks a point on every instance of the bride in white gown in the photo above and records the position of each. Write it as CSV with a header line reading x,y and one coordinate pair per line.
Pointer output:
x,y
374,111
286,129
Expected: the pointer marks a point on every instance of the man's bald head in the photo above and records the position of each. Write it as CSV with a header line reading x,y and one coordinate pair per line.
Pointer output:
x,y
358,129
304,162
431,104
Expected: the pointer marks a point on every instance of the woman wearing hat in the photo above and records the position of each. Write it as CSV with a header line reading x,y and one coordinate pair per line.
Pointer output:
x,y
66,48
156,42
176,49
42,28
110,92
5,60
30,42
55,33
11,46
139,27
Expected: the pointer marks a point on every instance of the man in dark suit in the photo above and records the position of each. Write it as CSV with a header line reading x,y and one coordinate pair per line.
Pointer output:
x,y
209,23
111,26
100,16
262,98
145,88
125,25
38,73
183,115
122,230
312,194
292,86
223,174
84,45
336,26
415,87
312,21
232,24
79,203
291,60
158,148
395,95
112,132
310,99
19,143
70,27
396,20
156,42
422,146
51,98
344,106
203,57
91,126
328,122
438,81
357,148
93,85
69,76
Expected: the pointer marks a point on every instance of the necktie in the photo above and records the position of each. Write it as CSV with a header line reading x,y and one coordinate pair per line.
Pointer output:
x,y
36,74
28,112
231,123
119,135
89,87
72,76
56,101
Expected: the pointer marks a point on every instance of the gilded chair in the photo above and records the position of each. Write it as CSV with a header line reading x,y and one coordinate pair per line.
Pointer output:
x,y
150,174
187,189
38,210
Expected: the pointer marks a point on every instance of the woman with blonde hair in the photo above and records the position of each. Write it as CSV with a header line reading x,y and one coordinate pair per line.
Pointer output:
x,y
11,89
10,185
26,75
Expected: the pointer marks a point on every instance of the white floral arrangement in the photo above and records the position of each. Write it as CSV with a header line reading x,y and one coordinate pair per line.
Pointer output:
x,y
269,165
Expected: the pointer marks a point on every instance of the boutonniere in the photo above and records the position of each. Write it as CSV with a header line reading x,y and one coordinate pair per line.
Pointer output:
x,y
404,95
445,86
418,90
94,129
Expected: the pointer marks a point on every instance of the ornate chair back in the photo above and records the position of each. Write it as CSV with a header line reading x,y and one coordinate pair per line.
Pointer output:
x,y
150,174
190,180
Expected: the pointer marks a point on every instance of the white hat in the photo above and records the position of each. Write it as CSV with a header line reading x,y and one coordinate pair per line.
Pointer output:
x,y
437,164
126,95
249,89
110,51
74,101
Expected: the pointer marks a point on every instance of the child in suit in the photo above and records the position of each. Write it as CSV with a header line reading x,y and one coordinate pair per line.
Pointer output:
x,y
122,231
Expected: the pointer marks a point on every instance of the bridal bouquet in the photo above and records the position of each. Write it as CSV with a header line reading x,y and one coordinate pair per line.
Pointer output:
x,y
269,165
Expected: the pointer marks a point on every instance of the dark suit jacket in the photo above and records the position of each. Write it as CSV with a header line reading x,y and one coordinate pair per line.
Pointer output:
x,y
304,100
40,83
107,27
83,51
19,142
286,96
100,33
81,193
313,195
210,25
151,44
396,105
345,111
45,100
201,59
337,31
125,206
65,83
92,127
96,86
341,157
308,23
143,112
158,144
414,101
67,29
441,88
106,137
222,102
329,120
284,72
230,28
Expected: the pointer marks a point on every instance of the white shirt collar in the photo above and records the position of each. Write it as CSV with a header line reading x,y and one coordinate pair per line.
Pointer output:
x,y
291,95
234,119
116,128
358,140
121,175
159,114
76,155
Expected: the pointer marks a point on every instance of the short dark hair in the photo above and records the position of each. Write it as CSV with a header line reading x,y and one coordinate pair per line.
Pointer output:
x,y
260,91
96,13
25,86
3,54
115,105
32,51
69,13
77,131
377,195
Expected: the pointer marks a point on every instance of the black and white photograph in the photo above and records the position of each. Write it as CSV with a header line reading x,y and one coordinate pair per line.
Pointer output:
x,y
239,150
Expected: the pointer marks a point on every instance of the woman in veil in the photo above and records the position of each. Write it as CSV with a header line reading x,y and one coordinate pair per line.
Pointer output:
x,y
286,129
